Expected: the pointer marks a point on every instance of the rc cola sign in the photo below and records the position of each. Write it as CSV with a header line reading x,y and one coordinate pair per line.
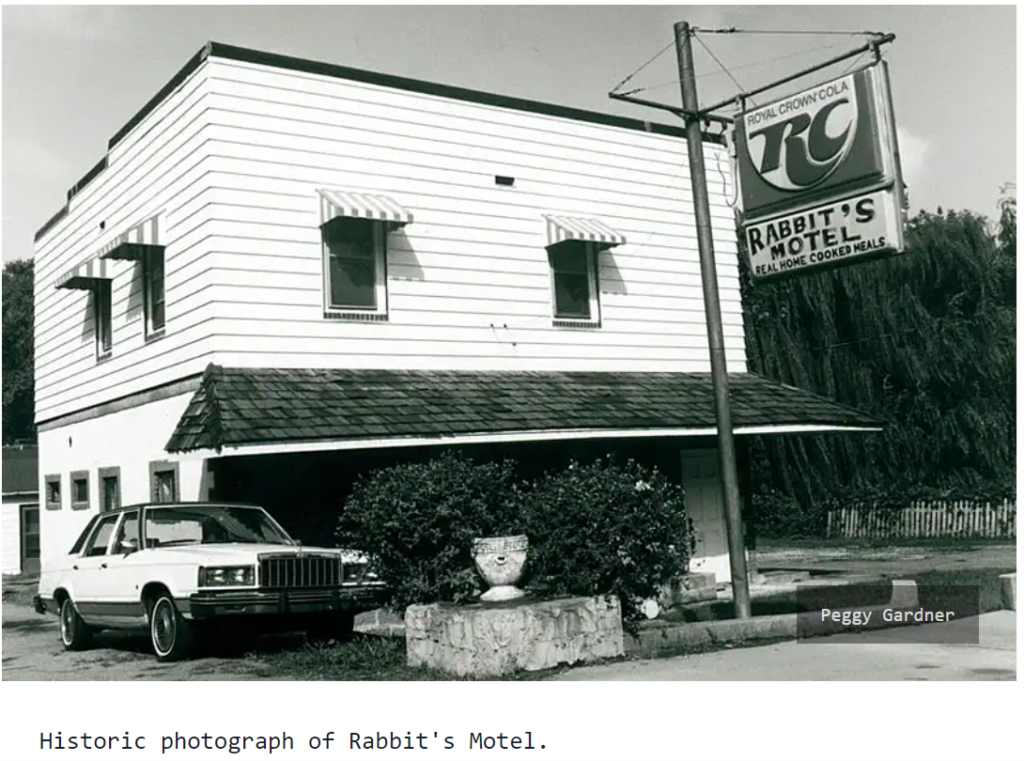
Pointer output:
x,y
819,176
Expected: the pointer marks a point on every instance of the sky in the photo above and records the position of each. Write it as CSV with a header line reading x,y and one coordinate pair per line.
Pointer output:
x,y
73,75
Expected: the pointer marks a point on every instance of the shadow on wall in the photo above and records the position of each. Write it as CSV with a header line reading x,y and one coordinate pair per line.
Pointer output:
x,y
135,303
610,279
402,261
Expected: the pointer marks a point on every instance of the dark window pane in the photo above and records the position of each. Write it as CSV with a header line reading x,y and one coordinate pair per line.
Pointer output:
x,y
53,491
353,282
354,249
155,290
572,296
569,257
166,488
104,332
80,490
111,493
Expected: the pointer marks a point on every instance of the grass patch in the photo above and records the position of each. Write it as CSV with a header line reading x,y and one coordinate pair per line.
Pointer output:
x,y
368,657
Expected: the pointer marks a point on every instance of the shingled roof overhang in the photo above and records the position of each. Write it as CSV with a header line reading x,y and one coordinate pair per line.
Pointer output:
x,y
262,411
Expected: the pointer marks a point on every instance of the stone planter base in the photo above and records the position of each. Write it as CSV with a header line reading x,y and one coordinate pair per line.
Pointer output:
x,y
495,639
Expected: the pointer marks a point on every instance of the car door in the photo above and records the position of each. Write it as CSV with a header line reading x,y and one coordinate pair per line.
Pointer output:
x,y
88,571
121,581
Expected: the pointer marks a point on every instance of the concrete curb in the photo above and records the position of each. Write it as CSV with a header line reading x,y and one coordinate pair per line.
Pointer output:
x,y
658,637
1008,588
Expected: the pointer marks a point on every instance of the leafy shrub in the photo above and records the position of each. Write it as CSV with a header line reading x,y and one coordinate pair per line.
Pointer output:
x,y
597,529
417,521
605,528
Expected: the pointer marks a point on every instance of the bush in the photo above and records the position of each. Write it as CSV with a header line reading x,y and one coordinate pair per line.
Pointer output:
x,y
606,528
417,521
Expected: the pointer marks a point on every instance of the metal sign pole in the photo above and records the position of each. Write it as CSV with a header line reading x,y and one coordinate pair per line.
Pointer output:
x,y
713,313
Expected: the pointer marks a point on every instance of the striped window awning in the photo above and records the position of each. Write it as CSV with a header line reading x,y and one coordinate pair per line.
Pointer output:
x,y
85,276
132,245
353,205
562,229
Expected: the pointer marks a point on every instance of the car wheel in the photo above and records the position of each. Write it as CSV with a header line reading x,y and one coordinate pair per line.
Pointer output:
x,y
75,634
336,626
171,634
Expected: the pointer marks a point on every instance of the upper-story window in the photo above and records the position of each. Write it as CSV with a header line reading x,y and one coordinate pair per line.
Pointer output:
x,y
153,290
574,281
574,245
355,255
102,314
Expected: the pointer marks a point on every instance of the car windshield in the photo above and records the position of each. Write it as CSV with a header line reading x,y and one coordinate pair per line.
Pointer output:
x,y
220,524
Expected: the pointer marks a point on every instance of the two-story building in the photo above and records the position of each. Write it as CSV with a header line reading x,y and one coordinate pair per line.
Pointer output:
x,y
284,272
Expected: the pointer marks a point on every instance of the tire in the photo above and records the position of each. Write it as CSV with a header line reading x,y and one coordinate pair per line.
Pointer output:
x,y
75,634
334,626
171,634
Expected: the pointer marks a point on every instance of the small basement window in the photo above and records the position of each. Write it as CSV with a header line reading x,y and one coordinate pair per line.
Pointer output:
x,y
110,489
163,481
80,490
53,495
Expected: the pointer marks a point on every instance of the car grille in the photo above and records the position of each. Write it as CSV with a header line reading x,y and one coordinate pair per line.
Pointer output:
x,y
300,571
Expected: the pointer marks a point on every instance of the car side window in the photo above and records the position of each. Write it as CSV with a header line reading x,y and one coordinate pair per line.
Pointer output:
x,y
129,531
80,542
100,539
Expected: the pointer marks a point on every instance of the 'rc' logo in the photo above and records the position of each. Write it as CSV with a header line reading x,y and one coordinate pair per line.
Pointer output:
x,y
799,142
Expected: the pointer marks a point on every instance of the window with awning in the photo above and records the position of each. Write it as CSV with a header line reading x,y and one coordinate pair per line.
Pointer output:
x,y
354,229
573,245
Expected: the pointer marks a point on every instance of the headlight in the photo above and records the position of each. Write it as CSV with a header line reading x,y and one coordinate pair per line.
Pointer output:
x,y
227,576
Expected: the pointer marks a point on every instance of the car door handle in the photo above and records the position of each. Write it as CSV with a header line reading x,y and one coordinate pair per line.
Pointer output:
x,y
74,568
103,565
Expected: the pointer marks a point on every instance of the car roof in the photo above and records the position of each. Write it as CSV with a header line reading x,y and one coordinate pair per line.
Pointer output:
x,y
196,504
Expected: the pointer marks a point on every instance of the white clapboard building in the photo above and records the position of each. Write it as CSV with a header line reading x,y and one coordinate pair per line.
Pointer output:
x,y
283,272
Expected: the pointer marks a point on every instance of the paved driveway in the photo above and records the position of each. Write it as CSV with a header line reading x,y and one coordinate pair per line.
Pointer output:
x,y
32,650
837,658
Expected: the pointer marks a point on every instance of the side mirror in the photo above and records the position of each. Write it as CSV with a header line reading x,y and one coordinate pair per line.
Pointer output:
x,y
128,546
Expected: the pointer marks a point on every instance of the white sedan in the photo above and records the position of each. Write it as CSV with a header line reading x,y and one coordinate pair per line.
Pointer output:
x,y
175,568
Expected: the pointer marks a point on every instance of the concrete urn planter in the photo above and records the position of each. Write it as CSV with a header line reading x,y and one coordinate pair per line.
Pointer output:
x,y
500,561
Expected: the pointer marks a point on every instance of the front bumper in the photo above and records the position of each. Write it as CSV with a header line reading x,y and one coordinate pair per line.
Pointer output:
x,y
211,604
39,605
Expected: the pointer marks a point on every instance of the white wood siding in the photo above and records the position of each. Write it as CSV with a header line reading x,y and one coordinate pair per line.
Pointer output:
x,y
232,161
157,168
10,531
468,282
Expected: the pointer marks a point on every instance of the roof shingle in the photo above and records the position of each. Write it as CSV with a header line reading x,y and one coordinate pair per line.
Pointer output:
x,y
240,406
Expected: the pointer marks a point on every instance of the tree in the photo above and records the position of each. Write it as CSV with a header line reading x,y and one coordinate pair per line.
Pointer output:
x,y
926,340
18,360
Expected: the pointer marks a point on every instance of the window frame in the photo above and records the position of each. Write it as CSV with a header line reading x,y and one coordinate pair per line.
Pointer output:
x,y
148,280
103,318
48,481
379,246
76,476
118,538
591,256
157,467
101,477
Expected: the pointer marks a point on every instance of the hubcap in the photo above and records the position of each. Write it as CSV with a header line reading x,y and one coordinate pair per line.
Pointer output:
x,y
163,627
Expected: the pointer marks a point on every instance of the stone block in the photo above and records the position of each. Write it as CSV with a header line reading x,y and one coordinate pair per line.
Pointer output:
x,y
1008,589
489,640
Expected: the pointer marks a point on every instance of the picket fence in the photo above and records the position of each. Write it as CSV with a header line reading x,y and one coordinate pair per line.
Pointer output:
x,y
946,518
